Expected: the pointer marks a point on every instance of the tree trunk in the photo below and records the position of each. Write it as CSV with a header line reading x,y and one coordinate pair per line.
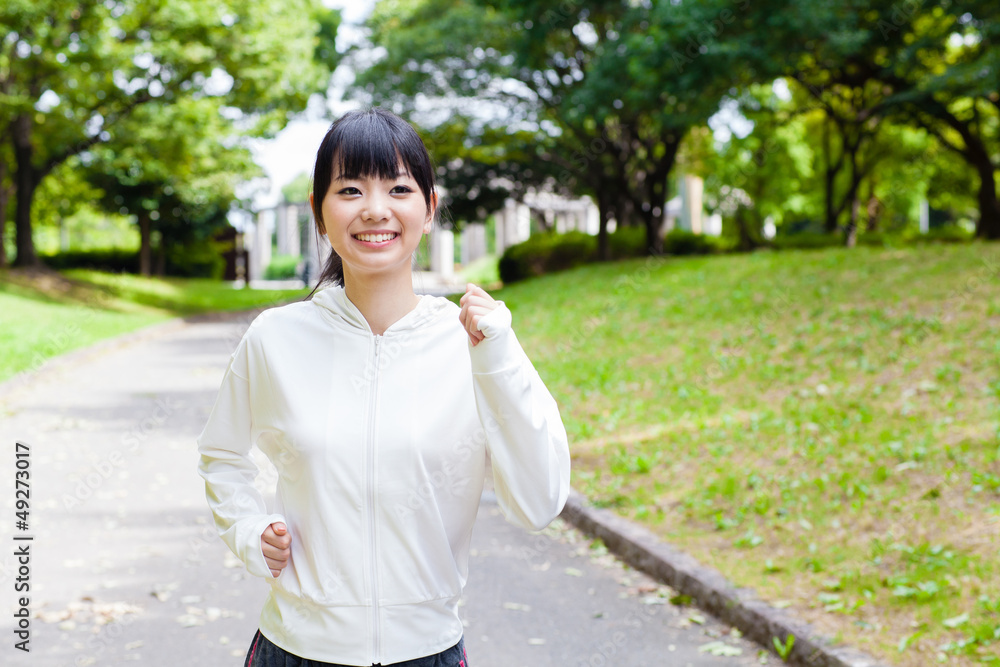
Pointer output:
x,y
654,244
619,213
747,240
26,180
988,225
161,259
851,233
829,177
145,260
873,213
4,199
851,197
654,216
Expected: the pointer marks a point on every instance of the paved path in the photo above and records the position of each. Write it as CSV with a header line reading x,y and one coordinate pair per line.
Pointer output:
x,y
126,568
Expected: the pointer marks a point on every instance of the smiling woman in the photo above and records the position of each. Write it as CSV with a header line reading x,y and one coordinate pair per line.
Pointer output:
x,y
371,168
333,391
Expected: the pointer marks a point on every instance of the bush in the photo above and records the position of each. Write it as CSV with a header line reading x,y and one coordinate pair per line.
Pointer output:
x,y
545,253
627,242
197,259
548,252
569,250
948,234
111,260
878,239
806,241
683,242
810,240
282,267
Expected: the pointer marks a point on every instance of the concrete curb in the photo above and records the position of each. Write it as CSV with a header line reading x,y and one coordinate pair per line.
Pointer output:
x,y
740,608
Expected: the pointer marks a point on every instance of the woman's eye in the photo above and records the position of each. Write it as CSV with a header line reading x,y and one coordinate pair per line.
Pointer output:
x,y
349,191
401,189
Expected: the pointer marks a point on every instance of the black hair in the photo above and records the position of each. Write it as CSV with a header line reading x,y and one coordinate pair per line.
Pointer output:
x,y
365,144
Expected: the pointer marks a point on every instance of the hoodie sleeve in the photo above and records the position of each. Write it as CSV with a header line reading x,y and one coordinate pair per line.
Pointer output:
x,y
524,432
224,444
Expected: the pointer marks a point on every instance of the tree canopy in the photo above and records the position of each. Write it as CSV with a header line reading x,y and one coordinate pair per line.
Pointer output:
x,y
73,73
599,98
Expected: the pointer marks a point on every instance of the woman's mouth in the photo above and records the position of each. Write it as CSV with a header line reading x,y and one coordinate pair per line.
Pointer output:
x,y
375,239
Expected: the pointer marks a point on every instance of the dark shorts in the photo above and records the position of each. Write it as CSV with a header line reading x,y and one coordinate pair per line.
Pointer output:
x,y
263,653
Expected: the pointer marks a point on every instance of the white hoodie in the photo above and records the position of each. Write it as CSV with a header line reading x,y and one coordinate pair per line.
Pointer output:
x,y
380,442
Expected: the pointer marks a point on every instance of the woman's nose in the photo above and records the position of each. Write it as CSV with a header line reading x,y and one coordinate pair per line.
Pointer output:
x,y
376,208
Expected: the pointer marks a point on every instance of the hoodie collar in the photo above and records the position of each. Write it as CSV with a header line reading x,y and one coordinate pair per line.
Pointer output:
x,y
334,302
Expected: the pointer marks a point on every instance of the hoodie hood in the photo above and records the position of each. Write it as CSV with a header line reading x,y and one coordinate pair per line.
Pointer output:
x,y
335,305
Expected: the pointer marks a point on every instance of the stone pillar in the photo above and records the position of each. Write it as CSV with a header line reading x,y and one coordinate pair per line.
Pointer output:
x,y
473,242
260,244
287,230
293,239
521,225
281,229
502,220
442,251
925,216
692,189
592,217
317,252
713,225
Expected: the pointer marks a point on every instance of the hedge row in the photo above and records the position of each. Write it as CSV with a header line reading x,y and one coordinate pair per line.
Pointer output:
x,y
194,260
282,267
807,240
549,252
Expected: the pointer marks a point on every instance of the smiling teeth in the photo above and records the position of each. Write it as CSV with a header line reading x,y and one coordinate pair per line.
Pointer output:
x,y
375,238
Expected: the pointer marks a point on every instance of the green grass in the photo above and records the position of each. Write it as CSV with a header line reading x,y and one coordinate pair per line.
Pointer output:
x,y
822,426
45,315
484,271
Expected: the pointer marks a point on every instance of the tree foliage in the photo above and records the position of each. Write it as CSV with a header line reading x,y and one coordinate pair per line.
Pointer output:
x,y
597,84
607,94
73,72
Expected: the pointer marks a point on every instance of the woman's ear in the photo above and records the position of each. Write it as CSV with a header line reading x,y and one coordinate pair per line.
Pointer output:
x,y
432,211
319,223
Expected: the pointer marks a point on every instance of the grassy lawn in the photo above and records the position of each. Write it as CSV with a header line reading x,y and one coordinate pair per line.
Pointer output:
x,y
484,271
823,426
45,315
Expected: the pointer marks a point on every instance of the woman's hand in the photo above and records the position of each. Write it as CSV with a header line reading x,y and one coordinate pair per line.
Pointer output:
x,y
276,544
475,303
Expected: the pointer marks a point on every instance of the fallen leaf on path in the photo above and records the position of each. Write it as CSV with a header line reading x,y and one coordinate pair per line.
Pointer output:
x,y
720,648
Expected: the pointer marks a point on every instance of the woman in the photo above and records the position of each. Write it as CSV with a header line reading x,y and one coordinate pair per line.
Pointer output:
x,y
378,408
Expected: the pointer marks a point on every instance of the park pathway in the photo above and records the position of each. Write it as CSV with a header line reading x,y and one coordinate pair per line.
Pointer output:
x,y
126,567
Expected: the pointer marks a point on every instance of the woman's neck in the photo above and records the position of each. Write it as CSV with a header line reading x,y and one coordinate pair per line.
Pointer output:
x,y
382,300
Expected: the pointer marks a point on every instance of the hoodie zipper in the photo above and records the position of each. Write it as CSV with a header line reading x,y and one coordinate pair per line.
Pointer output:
x,y
372,541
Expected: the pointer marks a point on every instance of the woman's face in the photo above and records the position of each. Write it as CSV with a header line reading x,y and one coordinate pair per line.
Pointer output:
x,y
375,225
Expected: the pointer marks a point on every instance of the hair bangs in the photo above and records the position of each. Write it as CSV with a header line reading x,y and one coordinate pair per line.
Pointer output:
x,y
369,150
369,143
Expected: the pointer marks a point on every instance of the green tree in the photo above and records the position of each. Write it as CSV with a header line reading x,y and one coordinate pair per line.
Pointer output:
x,y
766,174
76,70
608,88
944,73
167,163
929,63
297,190
481,167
